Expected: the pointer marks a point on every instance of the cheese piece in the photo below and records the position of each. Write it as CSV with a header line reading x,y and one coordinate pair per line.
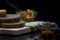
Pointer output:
x,y
33,24
13,25
10,18
2,13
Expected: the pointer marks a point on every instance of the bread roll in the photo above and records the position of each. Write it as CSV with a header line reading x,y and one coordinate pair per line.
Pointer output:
x,y
46,32
27,16
2,13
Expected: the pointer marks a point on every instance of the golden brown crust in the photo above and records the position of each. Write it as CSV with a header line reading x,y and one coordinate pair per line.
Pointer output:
x,y
2,13
27,15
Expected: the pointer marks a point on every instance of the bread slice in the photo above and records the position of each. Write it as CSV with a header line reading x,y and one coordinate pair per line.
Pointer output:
x,y
13,25
10,18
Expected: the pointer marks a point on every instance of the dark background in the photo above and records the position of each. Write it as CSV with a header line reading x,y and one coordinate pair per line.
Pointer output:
x,y
46,9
